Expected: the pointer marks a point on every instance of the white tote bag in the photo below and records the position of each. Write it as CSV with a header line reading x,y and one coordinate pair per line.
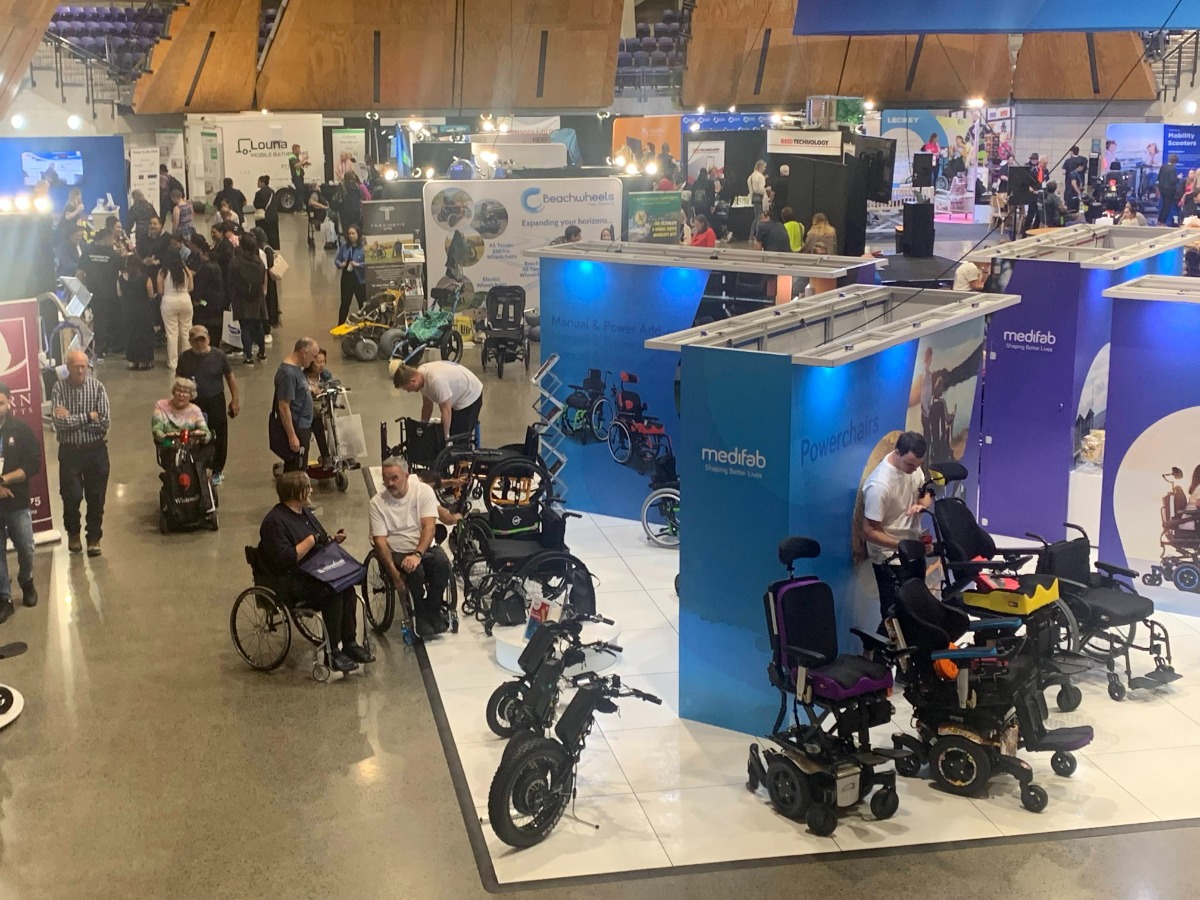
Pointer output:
x,y
231,332
351,440
279,267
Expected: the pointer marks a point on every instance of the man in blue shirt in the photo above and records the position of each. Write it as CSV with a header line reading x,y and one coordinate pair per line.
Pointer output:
x,y
292,413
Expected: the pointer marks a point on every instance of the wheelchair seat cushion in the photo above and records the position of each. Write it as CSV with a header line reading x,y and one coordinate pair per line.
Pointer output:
x,y
1031,593
1110,608
849,676
505,551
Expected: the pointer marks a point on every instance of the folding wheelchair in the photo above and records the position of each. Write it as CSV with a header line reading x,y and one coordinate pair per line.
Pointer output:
x,y
1108,611
813,771
974,707
262,617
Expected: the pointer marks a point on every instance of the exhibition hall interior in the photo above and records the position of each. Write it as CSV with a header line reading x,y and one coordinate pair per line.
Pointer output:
x,y
599,449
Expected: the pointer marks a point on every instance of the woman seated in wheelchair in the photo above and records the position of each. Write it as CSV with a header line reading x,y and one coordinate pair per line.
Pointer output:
x,y
177,416
404,519
288,534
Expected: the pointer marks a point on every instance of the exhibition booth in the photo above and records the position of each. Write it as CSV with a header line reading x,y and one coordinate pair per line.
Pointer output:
x,y
600,303
94,165
1049,443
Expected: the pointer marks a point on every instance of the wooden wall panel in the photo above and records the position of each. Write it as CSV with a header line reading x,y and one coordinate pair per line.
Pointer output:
x,y
1054,66
22,24
226,82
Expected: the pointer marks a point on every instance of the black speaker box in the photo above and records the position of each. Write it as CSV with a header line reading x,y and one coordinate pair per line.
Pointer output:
x,y
918,230
1022,186
922,170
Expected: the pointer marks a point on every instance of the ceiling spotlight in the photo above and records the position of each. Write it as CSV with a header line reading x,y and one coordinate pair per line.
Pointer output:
x,y
776,118
22,203
42,204
975,103
651,168
733,108
1190,106
631,169
700,109
868,105
695,126
74,123
504,128
6,204
18,121
620,160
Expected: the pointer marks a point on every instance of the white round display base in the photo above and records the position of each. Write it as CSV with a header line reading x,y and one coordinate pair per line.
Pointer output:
x,y
511,641
11,704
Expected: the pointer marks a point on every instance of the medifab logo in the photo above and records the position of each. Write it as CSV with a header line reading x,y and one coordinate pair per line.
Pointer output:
x,y
246,146
1030,337
534,200
750,459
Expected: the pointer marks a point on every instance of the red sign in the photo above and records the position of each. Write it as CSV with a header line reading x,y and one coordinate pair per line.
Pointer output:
x,y
19,369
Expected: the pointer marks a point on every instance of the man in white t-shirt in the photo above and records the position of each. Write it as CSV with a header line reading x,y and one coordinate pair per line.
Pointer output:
x,y
403,517
453,389
892,508
972,276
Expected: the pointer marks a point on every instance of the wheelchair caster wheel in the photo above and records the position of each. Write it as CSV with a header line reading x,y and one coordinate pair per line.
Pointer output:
x,y
1034,798
821,820
1063,763
884,803
454,625
751,778
909,766
1069,697
1116,690
320,672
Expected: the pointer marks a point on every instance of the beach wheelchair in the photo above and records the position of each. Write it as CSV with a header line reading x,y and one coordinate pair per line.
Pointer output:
x,y
504,325
262,618
812,770
974,706
428,330
1108,611
1179,541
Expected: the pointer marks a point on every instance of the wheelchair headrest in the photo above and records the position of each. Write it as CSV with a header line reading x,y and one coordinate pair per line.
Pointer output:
x,y
948,471
794,548
629,378
912,559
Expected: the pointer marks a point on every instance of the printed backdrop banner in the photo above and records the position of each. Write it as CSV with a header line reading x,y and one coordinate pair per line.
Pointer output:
x,y
654,217
1143,147
956,133
708,155
636,132
20,371
916,16
349,153
806,143
478,230
143,172
387,226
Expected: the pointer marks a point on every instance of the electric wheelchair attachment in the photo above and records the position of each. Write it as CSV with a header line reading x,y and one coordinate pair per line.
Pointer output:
x,y
506,340
382,596
261,621
530,701
1108,610
1180,540
975,706
985,581
813,772
536,779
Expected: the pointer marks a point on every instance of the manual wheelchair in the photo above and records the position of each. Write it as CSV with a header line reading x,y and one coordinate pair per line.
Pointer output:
x,y
633,435
660,509
382,598
811,771
261,621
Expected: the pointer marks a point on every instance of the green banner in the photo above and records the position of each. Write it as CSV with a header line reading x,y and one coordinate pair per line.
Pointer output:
x,y
654,216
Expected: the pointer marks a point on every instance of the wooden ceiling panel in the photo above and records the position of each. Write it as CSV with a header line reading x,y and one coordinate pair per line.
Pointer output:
x,y
1056,66
22,24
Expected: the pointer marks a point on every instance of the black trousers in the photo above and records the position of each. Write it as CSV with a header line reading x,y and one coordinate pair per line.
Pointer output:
x,y
337,609
215,412
83,474
299,461
885,581
352,288
463,421
426,584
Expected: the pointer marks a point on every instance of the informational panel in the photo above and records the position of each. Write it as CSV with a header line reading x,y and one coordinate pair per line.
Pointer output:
x,y
143,172
654,217
210,153
391,229
171,153
1143,147
349,152
478,230
707,155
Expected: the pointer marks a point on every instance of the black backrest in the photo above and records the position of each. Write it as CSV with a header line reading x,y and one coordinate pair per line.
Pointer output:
x,y
927,624
665,473
629,403
1071,560
961,535
799,613
421,442
506,306
538,649
594,383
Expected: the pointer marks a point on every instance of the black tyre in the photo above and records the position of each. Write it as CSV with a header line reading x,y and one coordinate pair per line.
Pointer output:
x,y
286,200
884,803
660,517
620,442
1069,697
821,820
530,792
380,594
960,766
910,766
788,788
470,558
342,480
1034,798
518,740
500,365
348,344
1116,690
1187,578
214,522
261,629
600,417
452,346
528,355
551,576
505,709
1063,763
389,341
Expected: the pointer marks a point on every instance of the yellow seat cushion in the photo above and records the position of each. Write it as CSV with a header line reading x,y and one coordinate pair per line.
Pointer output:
x,y
1035,591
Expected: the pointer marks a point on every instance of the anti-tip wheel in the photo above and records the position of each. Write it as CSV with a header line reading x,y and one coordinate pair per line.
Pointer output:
x,y
1063,763
1034,798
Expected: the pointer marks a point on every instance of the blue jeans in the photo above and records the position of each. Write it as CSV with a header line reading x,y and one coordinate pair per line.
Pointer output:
x,y
18,527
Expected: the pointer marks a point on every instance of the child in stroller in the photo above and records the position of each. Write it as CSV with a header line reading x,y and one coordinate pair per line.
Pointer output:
x,y
183,442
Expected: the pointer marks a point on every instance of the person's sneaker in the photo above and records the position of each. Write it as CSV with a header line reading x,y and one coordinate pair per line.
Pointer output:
x,y
340,662
74,544
357,652
6,609
262,355
442,625
93,548
267,340
247,360
29,594
218,477
425,630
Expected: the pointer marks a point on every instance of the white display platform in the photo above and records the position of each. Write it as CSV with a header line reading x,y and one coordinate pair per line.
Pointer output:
x,y
510,642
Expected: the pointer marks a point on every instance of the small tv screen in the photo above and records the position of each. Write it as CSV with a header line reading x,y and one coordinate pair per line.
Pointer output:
x,y
54,166
880,157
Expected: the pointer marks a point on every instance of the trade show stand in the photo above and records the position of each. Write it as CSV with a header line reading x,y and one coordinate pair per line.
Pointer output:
x,y
785,412
601,302
1043,419
95,165
1151,490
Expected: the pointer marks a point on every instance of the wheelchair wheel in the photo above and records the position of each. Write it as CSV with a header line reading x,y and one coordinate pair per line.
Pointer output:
x,y
1068,698
884,803
909,766
366,350
1187,578
1034,798
500,364
960,766
530,793
788,788
348,344
660,517
310,624
1063,763
600,417
261,629
620,442
389,341
470,558
515,743
551,576
821,819
528,355
452,346
380,594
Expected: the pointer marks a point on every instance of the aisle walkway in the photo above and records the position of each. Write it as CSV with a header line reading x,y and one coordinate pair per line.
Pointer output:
x,y
150,762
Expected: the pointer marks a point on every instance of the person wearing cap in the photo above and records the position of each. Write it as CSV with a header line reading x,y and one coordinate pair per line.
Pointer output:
x,y
209,368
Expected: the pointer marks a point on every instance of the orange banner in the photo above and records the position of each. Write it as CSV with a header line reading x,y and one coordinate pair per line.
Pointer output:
x,y
639,132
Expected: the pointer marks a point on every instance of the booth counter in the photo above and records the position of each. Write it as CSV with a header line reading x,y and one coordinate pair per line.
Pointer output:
x,y
1149,518
600,302
785,412
1043,421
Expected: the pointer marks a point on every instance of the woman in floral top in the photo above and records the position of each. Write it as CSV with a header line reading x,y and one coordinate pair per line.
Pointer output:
x,y
177,414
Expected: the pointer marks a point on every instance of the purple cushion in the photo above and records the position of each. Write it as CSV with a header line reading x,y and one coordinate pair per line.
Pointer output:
x,y
850,676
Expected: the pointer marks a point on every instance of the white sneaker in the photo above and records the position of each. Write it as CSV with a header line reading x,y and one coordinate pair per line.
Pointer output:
x,y
267,340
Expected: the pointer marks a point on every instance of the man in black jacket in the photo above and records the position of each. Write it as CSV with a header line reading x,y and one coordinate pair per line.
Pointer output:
x,y
1168,192
1075,177
235,198
21,460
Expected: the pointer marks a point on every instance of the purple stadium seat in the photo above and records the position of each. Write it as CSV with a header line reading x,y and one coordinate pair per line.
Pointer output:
x,y
624,60
641,58
649,44
670,15
643,30
660,30
673,29
658,59
672,58
666,44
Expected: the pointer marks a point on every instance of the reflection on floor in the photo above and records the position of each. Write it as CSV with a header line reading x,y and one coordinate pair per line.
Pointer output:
x,y
670,792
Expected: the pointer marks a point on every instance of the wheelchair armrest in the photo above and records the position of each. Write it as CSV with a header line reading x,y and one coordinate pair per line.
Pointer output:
x,y
965,653
1113,570
985,625
807,658
870,641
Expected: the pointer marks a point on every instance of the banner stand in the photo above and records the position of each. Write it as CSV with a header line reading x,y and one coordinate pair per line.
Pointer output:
x,y
784,413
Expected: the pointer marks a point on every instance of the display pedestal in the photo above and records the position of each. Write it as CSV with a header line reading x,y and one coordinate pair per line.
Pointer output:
x,y
511,641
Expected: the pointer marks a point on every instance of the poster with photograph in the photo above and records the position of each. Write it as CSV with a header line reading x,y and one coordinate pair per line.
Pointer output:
x,y
171,153
392,234
349,147
952,136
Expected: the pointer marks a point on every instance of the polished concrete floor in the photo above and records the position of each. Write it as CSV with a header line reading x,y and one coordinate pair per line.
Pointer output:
x,y
151,762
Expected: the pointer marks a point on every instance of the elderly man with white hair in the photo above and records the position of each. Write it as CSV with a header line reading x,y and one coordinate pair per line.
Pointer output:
x,y
779,192
81,420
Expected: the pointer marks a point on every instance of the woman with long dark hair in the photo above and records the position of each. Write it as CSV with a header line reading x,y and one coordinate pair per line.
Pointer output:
x,y
352,262
174,287
135,289
208,288
272,319
248,296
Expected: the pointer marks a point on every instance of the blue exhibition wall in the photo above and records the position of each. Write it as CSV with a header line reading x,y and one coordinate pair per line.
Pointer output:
x,y
1153,421
798,442
598,315
104,170
859,17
